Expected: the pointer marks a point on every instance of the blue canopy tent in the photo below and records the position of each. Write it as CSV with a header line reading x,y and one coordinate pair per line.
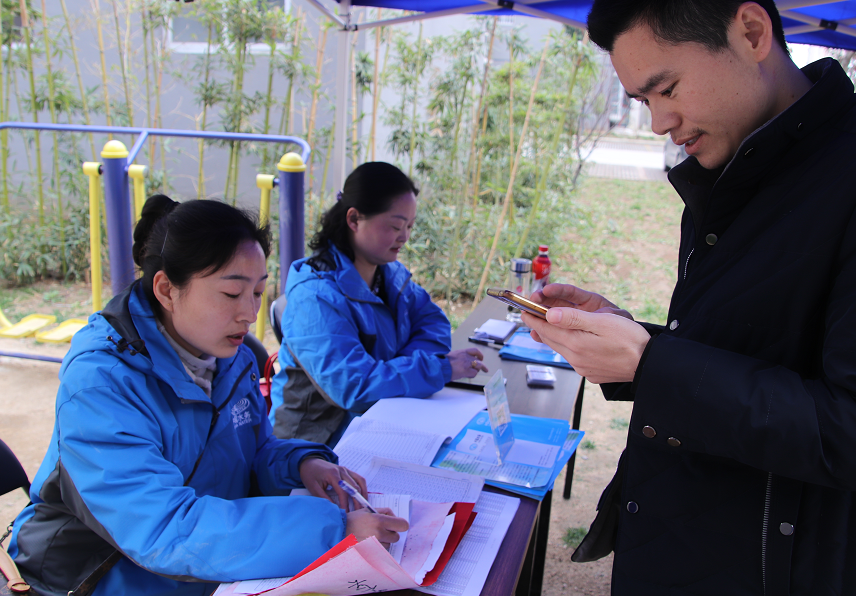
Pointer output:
x,y
814,22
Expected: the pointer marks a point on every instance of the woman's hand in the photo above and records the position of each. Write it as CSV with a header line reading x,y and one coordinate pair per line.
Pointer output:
x,y
317,474
466,363
363,524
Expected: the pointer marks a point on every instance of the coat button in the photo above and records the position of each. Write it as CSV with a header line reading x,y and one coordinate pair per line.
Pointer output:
x,y
749,152
253,376
711,239
674,325
632,507
673,442
786,529
649,432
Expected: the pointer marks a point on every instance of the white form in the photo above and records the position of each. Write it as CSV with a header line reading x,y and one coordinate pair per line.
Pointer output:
x,y
400,505
422,483
444,413
470,564
383,439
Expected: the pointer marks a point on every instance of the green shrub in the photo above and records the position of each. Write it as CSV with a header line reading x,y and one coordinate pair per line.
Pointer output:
x,y
31,251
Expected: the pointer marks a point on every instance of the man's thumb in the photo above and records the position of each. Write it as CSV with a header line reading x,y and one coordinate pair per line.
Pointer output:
x,y
566,317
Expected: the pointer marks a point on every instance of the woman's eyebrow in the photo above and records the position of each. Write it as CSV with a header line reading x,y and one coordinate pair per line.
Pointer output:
x,y
238,277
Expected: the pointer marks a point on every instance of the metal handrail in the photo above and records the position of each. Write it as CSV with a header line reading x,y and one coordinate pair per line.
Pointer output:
x,y
162,132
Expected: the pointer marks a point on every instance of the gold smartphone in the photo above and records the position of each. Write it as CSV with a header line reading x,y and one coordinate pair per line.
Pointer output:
x,y
518,301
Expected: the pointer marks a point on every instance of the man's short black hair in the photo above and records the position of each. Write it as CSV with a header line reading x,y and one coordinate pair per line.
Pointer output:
x,y
674,21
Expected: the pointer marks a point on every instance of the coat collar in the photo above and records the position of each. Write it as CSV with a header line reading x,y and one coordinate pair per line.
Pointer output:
x,y
127,326
348,279
764,151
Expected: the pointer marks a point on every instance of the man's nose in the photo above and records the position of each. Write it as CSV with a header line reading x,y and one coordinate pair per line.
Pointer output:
x,y
663,119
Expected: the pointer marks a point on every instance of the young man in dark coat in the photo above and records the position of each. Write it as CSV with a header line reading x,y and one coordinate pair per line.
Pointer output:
x,y
740,467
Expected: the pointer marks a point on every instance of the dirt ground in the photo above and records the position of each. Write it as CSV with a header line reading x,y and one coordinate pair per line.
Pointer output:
x,y
28,389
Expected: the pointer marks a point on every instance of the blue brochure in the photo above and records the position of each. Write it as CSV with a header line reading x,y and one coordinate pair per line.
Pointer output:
x,y
542,448
521,346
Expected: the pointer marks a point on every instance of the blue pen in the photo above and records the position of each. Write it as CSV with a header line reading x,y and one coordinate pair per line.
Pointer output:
x,y
355,495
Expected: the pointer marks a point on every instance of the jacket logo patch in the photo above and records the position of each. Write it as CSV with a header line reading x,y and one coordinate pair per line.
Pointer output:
x,y
240,413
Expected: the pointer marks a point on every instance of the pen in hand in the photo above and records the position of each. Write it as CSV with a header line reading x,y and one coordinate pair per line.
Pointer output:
x,y
356,496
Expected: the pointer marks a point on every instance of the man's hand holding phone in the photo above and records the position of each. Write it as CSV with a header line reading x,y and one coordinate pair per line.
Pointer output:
x,y
600,340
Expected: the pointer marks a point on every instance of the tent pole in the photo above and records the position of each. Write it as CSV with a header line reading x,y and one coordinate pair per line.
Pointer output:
x,y
343,71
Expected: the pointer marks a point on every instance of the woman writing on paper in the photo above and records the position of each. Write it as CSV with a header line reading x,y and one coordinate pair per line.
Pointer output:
x,y
355,328
161,435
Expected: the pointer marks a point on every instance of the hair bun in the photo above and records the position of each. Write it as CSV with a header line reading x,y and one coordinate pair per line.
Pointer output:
x,y
154,210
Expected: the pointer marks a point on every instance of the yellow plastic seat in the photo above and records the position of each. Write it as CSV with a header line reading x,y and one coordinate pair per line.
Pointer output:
x,y
61,333
27,326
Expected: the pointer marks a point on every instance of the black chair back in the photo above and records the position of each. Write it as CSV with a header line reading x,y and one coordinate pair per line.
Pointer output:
x,y
276,309
258,349
12,474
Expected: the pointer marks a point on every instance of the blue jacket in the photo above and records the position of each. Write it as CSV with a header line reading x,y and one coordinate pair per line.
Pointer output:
x,y
143,461
344,348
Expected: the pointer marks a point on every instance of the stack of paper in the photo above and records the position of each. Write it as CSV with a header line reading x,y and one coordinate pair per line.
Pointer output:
x,y
467,537
494,330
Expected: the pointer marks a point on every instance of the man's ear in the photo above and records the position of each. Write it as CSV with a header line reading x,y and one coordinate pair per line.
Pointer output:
x,y
753,31
352,217
164,291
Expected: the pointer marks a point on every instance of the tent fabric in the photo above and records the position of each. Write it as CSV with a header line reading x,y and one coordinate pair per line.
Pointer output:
x,y
829,24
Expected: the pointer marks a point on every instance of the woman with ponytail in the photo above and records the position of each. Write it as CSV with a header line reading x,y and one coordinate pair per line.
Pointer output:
x,y
355,328
163,476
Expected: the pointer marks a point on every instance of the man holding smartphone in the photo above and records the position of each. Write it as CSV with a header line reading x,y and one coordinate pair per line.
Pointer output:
x,y
740,467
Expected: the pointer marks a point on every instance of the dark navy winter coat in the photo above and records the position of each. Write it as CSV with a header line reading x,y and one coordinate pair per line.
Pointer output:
x,y
741,456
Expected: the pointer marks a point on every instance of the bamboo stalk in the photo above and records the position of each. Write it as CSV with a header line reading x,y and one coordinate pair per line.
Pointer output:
x,y
52,99
459,207
415,97
200,186
84,102
18,95
237,96
477,178
122,55
475,128
25,26
4,115
354,115
548,161
330,138
158,62
144,21
512,177
97,10
313,111
268,99
286,120
376,94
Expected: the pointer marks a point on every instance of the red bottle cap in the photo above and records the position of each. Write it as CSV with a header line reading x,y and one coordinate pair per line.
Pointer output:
x,y
543,248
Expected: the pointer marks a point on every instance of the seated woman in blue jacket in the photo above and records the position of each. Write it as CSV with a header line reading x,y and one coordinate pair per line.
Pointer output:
x,y
162,471
355,328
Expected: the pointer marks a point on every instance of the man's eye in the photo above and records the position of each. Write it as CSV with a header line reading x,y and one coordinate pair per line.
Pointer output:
x,y
667,92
